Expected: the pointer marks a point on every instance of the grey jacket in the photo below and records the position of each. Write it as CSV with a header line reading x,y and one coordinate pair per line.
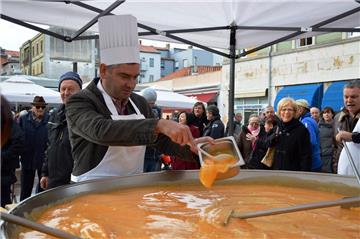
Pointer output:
x,y
327,142
92,130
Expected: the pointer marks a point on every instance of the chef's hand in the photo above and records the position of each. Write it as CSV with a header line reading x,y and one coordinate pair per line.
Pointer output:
x,y
44,182
205,139
178,133
344,135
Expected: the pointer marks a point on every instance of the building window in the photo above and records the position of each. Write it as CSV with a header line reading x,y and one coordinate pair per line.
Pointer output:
x,y
41,67
304,42
151,78
176,65
37,48
185,63
353,34
162,64
41,46
33,50
151,62
139,81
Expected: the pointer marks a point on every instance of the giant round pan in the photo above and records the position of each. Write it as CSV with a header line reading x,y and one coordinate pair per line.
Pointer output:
x,y
326,182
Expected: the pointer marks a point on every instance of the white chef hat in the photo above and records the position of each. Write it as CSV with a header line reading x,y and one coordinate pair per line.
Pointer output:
x,y
119,40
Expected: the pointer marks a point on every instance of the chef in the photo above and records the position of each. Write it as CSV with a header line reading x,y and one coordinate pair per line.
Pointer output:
x,y
109,125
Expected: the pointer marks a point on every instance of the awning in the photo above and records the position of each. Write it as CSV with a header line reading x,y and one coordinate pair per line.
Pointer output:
x,y
251,93
333,96
204,97
313,93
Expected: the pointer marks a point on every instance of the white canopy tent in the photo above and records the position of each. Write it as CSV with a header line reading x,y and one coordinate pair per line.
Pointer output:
x,y
229,25
17,89
167,99
171,100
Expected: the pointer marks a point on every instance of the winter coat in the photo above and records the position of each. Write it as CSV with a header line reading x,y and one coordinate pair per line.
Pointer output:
x,y
58,163
36,138
327,142
313,129
10,153
215,128
200,122
342,121
92,130
180,164
237,128
252,157
292,147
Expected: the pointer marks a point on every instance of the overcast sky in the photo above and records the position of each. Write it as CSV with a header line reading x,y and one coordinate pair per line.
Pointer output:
x,y
13,36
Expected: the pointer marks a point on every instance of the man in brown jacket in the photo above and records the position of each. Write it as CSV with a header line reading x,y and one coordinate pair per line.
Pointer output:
x,y
345,120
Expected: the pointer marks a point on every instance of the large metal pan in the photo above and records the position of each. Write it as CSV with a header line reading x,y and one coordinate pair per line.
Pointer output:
x,y
325,182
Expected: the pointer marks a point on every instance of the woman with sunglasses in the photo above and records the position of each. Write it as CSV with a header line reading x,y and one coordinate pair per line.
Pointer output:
x,y
34,125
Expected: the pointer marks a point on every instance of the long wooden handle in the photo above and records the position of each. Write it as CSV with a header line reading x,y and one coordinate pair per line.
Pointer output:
x,y
303,207
36,226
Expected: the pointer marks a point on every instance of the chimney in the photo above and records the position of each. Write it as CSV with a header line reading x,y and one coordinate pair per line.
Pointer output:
x,y
139,42
168,46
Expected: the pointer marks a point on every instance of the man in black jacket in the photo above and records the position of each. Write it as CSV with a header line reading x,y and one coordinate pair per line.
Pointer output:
x,y
10,153
215,128
58,164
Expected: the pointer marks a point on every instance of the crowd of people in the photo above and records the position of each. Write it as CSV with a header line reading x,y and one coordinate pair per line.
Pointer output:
x,y
108,130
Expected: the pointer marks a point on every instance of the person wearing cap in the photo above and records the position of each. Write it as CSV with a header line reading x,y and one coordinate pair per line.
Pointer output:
x,y
34,125
305,117
215,128
58,163
110,125
152,161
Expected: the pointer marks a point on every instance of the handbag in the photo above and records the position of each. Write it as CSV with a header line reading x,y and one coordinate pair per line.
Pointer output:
x,y
268,159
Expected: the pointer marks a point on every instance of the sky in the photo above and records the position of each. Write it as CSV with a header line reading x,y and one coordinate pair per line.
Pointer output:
x,y
13,36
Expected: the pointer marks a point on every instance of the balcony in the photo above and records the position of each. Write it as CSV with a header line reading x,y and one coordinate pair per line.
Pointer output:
x,y
143,66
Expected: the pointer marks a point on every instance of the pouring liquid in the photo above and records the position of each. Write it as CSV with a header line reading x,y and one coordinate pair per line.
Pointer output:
x,y
218,168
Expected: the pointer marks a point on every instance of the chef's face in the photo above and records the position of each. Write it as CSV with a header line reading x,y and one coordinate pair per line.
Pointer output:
x,y
119,80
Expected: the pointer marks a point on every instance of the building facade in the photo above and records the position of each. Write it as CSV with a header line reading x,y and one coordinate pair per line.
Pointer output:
x,y
150,60
9,60
299,69
49,57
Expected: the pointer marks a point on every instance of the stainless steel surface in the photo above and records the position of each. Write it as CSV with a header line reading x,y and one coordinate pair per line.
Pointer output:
x,y
222,145
326,182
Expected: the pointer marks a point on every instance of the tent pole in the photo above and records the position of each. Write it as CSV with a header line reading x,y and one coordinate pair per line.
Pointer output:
x,y
232,79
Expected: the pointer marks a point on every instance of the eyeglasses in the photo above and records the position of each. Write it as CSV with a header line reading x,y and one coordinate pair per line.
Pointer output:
x,y
287,109
42,107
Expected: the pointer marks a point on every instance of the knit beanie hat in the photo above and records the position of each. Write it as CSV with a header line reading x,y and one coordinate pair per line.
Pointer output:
x,y
70,75
149,94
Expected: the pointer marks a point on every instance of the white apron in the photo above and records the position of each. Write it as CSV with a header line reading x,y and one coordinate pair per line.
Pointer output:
x,y
118,160
344,167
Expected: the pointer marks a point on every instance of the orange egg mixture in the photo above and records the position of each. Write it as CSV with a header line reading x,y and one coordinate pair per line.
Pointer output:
x,y
189,211
217,169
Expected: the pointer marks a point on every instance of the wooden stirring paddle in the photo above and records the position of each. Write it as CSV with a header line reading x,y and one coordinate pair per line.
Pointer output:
x,y
345,203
